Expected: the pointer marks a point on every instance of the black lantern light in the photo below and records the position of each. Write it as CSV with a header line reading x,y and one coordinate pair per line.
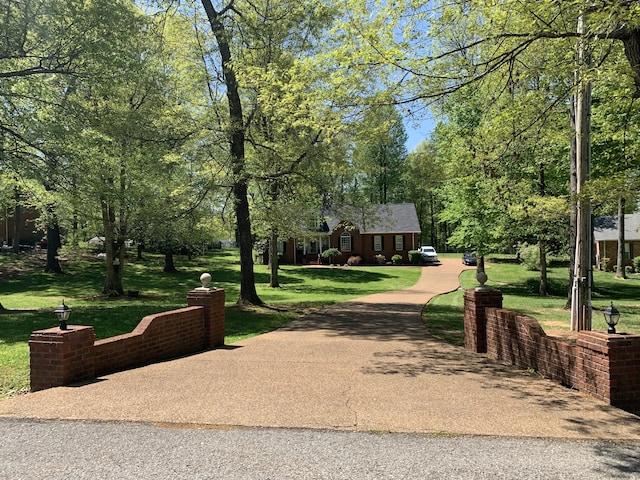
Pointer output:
x,y
611,316
62,311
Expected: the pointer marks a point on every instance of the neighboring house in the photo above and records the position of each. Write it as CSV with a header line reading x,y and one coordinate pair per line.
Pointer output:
x,y
366,232
605,236
27,230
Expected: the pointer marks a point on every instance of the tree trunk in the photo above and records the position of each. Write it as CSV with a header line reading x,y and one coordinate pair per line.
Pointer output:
x,y
632,51
543,290
114,264
114,248
53,244
621,264
169,265
248,294
274,281
434,237
75,237
17,220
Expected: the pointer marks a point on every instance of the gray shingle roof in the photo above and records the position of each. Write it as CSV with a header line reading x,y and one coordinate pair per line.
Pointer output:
x,y
378,219
606,228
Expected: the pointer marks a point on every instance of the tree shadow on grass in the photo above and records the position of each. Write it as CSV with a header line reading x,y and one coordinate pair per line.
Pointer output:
x,y
346,275
446,323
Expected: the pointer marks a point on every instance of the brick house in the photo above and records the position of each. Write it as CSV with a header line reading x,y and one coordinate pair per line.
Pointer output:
x,y
358,231
27,230
605,237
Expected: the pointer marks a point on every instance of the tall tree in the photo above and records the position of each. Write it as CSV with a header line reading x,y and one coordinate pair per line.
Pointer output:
x,y
439,48
124,120
43,41
289,122
424,175
220,22
380,155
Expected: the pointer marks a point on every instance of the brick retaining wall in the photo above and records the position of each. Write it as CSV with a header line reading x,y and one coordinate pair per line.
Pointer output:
x,y
157,337
60,357
605,366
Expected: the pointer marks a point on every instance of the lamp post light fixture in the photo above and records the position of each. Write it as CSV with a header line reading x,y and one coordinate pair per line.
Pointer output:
x,y
62,311
611,316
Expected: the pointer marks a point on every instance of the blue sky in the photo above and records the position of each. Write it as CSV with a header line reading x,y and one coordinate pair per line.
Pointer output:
x,y
416,133
418,129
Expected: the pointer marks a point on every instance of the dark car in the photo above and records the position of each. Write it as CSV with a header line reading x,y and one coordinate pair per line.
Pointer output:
x,y
469,258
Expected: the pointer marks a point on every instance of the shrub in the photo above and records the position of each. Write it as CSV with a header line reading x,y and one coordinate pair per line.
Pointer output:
x,y
354,260
605,263
380,259
396,259
415,257
330,253
530,256
554,286
628,269
636,264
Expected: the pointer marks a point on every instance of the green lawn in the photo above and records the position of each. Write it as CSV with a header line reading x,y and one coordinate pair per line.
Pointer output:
x,y
25,287
444,314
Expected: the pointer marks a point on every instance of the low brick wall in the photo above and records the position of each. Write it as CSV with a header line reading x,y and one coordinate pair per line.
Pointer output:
x,y
155,338
605,366
520,340
60,357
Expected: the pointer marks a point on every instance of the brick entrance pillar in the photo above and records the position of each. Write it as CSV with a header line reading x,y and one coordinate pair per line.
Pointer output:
x,y
475,322
60,357
213,302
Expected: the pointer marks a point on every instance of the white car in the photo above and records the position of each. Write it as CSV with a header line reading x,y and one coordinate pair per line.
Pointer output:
x,y
429,254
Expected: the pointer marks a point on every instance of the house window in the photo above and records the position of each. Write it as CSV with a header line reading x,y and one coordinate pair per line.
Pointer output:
x,y
345,242
628,251
377,243
399,241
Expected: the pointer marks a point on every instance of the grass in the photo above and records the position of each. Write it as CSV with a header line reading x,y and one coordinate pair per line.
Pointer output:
x,y
444,314
30,295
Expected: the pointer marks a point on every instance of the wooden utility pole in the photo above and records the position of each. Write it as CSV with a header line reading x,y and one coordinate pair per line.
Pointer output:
x,y
582,274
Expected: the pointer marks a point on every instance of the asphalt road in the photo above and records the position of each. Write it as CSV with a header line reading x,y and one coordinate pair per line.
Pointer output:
x,y
79,450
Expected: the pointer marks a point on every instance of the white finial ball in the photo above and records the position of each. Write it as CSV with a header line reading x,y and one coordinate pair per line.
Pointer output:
x,y
205,279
